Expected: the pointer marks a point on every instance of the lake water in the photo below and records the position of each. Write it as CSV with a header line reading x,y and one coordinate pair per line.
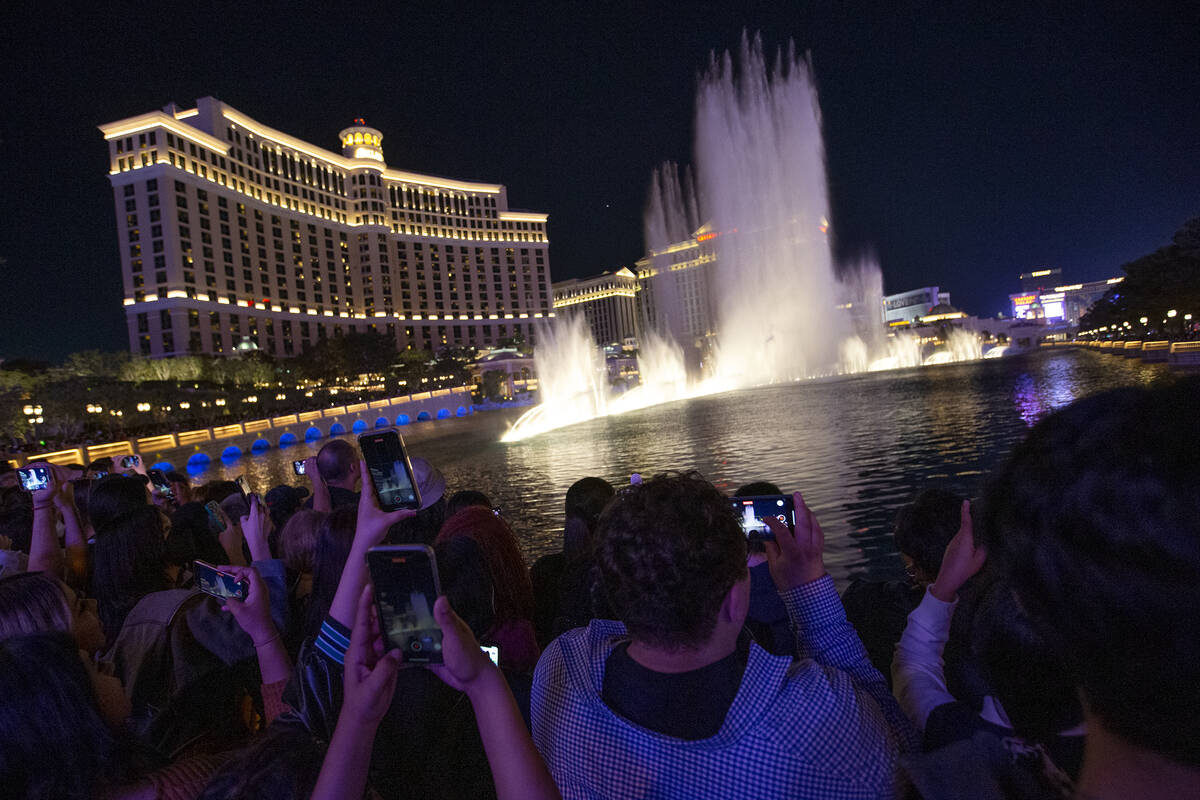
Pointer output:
x,y
857,447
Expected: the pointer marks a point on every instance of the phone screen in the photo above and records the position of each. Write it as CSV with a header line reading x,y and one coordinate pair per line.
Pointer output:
x,y
158,479
298,467
129,461
211,580
215,523
243,487
406,586
493,652
34,478
751,511
390,470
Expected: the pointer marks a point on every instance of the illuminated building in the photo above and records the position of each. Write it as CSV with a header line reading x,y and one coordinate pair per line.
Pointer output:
x,y
235,236
1063,304
1040,279
608,302
909,307
673,287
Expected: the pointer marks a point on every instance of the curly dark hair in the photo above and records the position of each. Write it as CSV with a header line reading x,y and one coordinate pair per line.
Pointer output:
x,y
925,527
668,551
1095,522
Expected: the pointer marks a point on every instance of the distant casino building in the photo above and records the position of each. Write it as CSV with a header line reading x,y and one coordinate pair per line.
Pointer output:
x,y
1064,303
673,287
908,307
235,236
608,302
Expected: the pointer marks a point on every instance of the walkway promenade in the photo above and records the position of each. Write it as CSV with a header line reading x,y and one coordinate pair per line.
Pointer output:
x,y
276,431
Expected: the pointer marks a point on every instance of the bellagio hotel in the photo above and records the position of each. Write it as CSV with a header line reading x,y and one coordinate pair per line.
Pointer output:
x,y
235,236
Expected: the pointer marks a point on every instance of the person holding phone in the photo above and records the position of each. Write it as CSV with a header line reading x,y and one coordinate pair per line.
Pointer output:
x,y
369,681
674,699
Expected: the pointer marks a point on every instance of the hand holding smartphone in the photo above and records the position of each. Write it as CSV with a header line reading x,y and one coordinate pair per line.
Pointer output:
x,y
391,473
222,585
158,479
298,467
34,479
751,511
406,587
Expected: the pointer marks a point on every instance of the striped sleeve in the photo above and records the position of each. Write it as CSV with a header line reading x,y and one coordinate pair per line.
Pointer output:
x,y
333,640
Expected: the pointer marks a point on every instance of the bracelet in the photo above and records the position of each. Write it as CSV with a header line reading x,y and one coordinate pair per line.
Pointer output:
x,y
276,637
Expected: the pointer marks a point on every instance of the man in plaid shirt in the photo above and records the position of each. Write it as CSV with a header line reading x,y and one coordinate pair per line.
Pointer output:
x,y
675,701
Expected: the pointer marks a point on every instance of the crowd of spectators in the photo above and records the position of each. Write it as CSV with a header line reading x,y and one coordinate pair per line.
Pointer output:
x,y
1044,643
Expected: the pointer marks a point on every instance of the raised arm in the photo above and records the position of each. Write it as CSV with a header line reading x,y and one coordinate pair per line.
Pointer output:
x,y
322,500
45,555
918,672
815,612
74,540
517,768
369,681
371,527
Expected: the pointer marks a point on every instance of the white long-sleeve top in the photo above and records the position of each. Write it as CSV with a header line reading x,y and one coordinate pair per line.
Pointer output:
x,y
918,671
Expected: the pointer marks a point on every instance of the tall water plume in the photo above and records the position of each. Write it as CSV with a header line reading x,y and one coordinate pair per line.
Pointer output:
x,y
760,165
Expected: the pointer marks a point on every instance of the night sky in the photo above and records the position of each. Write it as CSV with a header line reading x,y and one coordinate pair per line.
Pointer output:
x,y
964,146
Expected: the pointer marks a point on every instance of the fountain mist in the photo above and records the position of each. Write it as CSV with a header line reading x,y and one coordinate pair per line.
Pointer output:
x,y
780,309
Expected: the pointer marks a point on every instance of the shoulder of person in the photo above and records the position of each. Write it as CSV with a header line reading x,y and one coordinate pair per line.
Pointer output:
x,y
578,655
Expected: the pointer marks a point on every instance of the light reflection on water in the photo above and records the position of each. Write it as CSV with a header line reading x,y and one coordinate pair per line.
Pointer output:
x,y
857,447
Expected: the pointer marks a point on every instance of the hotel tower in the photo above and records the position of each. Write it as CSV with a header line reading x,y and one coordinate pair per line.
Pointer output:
x,y
235,236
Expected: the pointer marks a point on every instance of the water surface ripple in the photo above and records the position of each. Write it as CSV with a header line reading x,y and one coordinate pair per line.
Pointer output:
x,y
857,447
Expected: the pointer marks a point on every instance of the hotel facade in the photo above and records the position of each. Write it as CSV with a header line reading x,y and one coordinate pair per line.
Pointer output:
x,y
235,236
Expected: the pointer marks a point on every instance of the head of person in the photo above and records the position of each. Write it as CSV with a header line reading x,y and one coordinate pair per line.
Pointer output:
x,y
81,490
104,465
282,502
501,553
467,582
56,742
298,540
337,462
672,562
191,538
8,474
586,498
1021,670
424,527
235,507
181,487
129,555
214,490
1095,523
16,517
465,499
334,537
924,528
33,602
282,763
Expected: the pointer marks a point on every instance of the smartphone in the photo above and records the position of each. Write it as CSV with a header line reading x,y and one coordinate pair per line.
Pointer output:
x,y
244,488
752,510
128,462
493,652
216,523
406,585
34,478
298,467
211,580
391,472
158,479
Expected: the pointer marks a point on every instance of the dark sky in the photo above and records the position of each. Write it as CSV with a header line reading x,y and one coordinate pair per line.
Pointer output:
x,y
964,146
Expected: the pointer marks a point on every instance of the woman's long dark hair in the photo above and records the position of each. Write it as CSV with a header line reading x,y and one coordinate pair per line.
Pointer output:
x,y
334,538
56,745
128,557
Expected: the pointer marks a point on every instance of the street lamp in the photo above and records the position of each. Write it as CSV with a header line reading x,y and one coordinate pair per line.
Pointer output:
x,y
185,405
143,406
1172,313
1144,320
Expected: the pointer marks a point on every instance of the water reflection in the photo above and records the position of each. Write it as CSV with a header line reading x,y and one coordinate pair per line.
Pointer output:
x,y
858,447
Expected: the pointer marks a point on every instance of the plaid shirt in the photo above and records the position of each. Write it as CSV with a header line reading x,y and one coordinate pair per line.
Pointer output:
x,y
822,726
